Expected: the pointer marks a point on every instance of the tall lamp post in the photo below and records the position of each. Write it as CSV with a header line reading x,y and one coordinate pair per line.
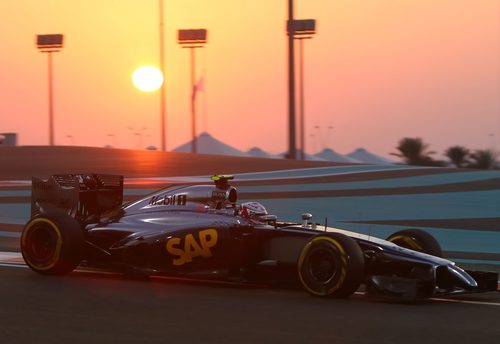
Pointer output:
x,y
162,89
291,85
302,29
193,39
50,44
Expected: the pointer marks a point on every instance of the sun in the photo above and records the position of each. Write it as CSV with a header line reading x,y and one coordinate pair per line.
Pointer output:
x,y
147,78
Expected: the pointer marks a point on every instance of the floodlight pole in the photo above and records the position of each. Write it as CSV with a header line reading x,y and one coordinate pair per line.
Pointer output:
x,y
302,29
301,98
301,95
291,85
51,100
163,116
50,44
193,102
193,39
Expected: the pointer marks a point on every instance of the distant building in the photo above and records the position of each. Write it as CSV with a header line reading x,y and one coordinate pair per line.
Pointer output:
x,y
331,155
367,157
310,157
209,145
8,139
259,153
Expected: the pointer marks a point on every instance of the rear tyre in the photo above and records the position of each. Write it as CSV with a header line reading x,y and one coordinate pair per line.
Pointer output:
x,y
417,240
331,265
52,244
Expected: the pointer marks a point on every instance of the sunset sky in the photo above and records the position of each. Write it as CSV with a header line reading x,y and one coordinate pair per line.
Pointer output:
x,y
377,71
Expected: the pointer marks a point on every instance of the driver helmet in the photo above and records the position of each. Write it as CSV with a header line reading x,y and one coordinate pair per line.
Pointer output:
x,y
252,210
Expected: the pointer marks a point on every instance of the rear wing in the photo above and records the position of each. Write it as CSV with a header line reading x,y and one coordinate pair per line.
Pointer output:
x,y
85,197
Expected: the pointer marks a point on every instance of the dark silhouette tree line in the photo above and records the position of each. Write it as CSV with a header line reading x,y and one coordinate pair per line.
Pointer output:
x,y
413,151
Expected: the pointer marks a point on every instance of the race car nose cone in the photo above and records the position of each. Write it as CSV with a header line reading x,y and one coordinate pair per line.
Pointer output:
x,y
462,277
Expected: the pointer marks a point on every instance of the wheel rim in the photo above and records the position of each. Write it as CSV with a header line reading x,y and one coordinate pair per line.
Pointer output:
x,y
41,244
322,266
407,242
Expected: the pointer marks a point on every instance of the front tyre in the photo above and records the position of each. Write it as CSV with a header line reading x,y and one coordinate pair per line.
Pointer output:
x,y
417,240
52,244
331,265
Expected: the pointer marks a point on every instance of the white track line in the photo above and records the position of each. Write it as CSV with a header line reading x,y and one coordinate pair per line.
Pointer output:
x,y
481,303
469,302
9,255
14,265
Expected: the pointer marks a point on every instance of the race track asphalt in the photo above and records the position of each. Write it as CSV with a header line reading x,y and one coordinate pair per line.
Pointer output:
x,y
86,308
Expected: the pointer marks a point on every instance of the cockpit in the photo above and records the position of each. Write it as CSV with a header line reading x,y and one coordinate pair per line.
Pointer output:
x,y
220,198
255,212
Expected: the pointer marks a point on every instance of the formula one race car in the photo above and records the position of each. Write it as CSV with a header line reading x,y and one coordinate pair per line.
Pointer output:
x,y
200,231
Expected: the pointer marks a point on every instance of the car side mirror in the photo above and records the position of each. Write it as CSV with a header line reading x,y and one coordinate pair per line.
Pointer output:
x,y
305,219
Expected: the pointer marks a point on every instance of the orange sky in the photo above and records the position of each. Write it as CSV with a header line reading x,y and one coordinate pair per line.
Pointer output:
x,y
377,71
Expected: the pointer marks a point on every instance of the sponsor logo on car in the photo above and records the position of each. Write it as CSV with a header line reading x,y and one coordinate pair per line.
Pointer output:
x,y
168,200
187,248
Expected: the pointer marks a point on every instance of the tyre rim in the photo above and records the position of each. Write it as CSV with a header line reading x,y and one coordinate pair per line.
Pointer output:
x,y
41,244
322,266
407,242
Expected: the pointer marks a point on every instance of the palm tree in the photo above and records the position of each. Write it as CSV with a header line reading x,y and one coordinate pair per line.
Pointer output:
x,y
414,152
457,155
484,159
